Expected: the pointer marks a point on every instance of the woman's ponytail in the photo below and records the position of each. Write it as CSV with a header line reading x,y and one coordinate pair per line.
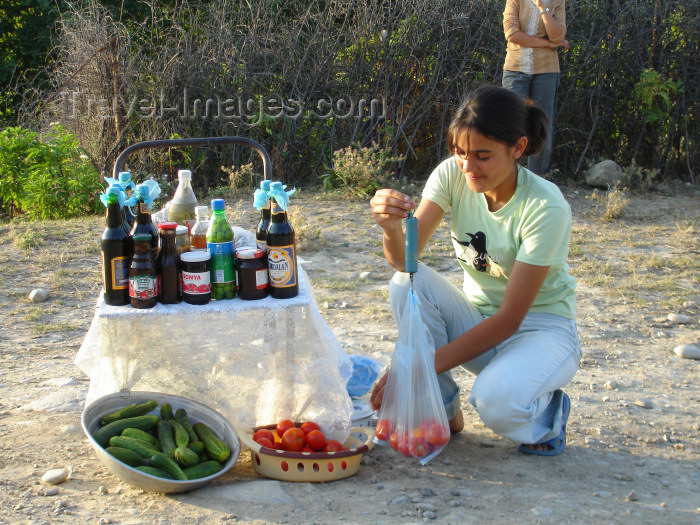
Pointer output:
x,y
536,126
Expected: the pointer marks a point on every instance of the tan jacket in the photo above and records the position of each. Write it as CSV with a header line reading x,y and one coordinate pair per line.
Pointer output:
x,y
522,15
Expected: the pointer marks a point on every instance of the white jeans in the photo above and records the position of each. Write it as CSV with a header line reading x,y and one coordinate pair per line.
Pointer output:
x,y
517,389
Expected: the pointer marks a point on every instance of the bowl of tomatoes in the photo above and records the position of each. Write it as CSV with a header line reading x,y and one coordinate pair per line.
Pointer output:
x,y
299,451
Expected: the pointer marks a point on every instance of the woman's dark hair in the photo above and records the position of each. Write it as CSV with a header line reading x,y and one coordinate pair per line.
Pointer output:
x,y
500,114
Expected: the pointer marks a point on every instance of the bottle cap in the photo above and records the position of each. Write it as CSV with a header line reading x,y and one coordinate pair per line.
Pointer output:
x,y
124,176
217,204
201,211
250,253
184,175
142,237
167,225
265,185
180,230
198,256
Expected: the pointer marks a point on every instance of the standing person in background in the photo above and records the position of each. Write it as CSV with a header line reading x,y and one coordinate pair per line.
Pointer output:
x,y
535,29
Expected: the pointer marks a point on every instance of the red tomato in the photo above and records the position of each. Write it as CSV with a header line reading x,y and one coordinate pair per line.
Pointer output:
x,y
437,435
309,426
394,441
404,446
293,439
264,442
264,433
333,446
316,440
418,448
307,448
284,425
277,445
383,430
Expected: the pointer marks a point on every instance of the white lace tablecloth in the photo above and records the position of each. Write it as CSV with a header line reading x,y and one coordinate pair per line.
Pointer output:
x,y
255,362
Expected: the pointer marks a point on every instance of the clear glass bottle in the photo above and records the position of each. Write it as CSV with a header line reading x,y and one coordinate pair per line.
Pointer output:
x,y
184,202
198,233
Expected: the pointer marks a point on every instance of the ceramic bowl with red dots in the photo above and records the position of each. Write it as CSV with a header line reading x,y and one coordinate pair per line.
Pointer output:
x,y
307,466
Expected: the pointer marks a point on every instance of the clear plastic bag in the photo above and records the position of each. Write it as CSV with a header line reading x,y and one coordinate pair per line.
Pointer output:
x,y
365,371
412,417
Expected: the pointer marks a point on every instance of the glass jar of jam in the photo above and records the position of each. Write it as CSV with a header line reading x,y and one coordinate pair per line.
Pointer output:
x,y
251,269
196,277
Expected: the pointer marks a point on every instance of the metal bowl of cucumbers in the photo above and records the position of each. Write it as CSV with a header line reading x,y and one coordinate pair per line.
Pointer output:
x,y
160,442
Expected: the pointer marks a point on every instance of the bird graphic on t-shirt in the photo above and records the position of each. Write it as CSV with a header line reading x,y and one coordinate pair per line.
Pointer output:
x,y
476,256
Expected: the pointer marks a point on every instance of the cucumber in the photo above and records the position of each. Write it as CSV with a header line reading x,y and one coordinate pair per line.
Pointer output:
x,y
180,434
196,446
135,433
202,470
154,471
125,455
186,457
143,449
181,417
129,411
169,465
166,438
216,449
166,412
115,428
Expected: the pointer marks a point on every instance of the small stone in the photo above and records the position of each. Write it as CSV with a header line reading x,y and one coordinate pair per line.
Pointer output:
x,y
51,492
687,351
426,507
678,318
428,492
102,490
662,504
401,500
644,402
364,275
326,305
55,476
374,479
343,304
623,476
105,521
632,496
38,295
429,514
610,385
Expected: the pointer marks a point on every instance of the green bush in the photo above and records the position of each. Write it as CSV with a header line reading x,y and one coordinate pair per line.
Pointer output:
x,y
360,170
49,178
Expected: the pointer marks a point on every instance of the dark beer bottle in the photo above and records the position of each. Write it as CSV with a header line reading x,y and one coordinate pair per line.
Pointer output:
x,y
143,222
128,185
142,274
264,224
281,252
117,248
168,265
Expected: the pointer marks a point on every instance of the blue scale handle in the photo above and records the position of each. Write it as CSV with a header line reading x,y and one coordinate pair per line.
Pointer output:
x,y
411,244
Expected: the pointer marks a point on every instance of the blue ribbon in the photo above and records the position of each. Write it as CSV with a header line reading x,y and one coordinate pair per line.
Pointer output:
x,y
113,190
114,183
276,191
147,191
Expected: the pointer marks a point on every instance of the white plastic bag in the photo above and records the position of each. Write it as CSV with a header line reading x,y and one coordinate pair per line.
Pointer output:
x,y
412,417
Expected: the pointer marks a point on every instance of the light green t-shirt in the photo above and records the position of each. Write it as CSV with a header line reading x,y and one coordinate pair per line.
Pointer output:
x,y
533,227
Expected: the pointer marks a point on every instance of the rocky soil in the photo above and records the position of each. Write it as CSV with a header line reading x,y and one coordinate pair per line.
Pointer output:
x,y
633,453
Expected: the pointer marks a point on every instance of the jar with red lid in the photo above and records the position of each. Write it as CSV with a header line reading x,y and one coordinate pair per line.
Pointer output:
x,y
251,273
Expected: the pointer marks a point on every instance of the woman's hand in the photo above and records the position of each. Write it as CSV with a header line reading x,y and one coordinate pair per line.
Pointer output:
x,y
389,208
378,393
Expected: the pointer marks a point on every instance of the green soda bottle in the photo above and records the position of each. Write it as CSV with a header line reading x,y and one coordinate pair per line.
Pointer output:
x,y
220,246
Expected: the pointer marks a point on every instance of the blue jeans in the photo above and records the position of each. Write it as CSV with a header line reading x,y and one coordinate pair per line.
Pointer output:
x,y
516,390
541,88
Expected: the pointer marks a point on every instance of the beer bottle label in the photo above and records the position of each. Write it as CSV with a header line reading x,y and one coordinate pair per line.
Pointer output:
x,y
221,262
142,286
281,267
196,283
120,273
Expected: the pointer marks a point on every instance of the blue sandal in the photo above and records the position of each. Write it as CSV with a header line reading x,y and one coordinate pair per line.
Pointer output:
x,y
556,445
